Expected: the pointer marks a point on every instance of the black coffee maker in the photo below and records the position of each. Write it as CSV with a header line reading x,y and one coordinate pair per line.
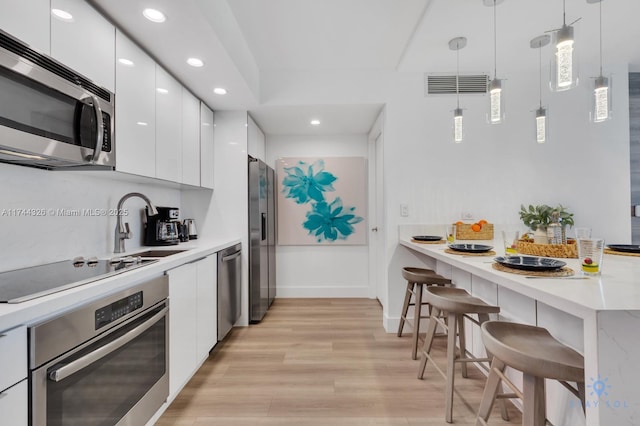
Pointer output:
x,y
163,228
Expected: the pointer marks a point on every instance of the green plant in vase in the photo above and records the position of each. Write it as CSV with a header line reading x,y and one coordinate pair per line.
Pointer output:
x,y
538,218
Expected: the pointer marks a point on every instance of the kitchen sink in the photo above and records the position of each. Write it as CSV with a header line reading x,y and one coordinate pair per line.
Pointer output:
x,y
157,253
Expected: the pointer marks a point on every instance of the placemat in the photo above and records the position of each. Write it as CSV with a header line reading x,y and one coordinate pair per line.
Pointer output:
x,y
620,253
428,242
562,272
470,253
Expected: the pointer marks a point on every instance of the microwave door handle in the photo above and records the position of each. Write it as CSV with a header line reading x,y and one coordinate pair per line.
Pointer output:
x,y
77,365
97,149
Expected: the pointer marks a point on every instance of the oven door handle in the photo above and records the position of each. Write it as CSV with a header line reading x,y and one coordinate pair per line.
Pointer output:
x,y
77,365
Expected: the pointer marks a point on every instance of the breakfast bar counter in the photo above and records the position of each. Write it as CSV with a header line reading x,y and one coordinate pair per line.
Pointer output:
x,y
598,316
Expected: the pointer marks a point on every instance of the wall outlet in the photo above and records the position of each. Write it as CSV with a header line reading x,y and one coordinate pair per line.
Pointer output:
x,y
404,210
466,215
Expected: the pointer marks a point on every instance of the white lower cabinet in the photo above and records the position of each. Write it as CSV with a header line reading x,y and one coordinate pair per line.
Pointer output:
x,y
207,306
192,319
183,282
14,404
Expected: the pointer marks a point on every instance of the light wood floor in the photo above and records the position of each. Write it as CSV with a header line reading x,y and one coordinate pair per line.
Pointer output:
x,y
322,362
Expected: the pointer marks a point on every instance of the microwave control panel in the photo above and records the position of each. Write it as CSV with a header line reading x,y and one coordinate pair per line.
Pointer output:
x,y
106,136
118,309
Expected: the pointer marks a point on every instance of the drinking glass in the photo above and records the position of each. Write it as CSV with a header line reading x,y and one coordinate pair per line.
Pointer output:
x,y
582,232
510,239
590,251
450,233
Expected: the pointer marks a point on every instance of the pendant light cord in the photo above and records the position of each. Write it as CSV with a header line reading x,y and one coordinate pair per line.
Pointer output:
x,y
540,74
564,13
457,75
495,48
600,37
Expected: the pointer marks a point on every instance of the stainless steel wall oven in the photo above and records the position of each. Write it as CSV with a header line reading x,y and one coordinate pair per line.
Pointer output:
x,y
105,363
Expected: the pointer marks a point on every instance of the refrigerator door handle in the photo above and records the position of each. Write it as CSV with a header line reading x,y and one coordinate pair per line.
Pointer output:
x,y
263,225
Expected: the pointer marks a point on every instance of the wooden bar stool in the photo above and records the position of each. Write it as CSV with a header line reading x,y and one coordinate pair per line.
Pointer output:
x,y
458,304
416,279
539,356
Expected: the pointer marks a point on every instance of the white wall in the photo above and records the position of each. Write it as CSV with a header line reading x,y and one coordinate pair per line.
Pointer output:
x,y
223,212
496,168
323,270
29,240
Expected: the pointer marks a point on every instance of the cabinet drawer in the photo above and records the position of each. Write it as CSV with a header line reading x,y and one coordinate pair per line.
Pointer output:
x,y
14,404
13,356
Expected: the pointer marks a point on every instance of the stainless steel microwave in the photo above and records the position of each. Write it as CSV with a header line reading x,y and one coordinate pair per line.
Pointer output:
x,y
50,116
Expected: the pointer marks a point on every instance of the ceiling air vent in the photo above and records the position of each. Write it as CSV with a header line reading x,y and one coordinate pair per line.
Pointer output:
x,y
446,84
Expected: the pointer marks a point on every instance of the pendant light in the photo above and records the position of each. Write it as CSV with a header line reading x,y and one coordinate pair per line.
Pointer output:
x,y
541,124
458,128
496,97
601,108
564,64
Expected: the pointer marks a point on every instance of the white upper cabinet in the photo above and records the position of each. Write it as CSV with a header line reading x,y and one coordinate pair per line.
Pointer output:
x,y
135,109
168,126
83,40
206,147
27,20
256,146
190,138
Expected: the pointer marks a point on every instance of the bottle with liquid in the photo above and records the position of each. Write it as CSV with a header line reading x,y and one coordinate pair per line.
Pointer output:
x,y
554,229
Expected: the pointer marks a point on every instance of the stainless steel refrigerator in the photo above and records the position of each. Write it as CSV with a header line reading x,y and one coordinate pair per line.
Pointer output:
x,y
262,239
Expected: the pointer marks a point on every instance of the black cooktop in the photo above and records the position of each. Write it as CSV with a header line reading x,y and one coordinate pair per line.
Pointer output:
x,y
29,283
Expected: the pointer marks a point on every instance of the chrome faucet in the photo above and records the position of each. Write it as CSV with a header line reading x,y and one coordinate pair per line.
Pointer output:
x,y
122,230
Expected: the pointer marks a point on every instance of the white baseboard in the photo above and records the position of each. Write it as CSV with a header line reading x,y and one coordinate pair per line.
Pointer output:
x,y
323,291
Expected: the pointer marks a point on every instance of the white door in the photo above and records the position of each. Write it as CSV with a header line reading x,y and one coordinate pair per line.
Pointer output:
x,y
376,219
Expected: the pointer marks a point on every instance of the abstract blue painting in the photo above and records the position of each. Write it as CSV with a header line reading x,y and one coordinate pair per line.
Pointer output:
x,y
321,200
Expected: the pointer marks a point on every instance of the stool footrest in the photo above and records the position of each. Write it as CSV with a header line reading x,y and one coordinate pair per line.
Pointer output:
x,y
508,382
473,360
506,396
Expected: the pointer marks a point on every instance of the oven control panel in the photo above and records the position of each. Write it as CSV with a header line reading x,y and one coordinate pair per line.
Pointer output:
x,y
118,309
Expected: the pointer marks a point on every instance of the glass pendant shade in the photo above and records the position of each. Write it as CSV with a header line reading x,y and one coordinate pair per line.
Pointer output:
x,y
457,125
541,125
564,64
601,110
496,102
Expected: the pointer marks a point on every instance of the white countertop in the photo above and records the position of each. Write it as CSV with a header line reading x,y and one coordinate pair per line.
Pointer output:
x,y
618,288
12,315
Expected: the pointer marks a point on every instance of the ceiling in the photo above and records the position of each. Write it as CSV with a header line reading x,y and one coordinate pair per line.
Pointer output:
x,y
287,61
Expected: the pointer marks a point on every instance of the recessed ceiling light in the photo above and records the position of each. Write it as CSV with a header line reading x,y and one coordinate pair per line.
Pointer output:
x,y
195,62
126,62
142,123
62,15
315,122
154,15
220,91
161,90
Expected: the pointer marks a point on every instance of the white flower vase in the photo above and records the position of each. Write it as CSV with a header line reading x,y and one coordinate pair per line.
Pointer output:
x,y
540,236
